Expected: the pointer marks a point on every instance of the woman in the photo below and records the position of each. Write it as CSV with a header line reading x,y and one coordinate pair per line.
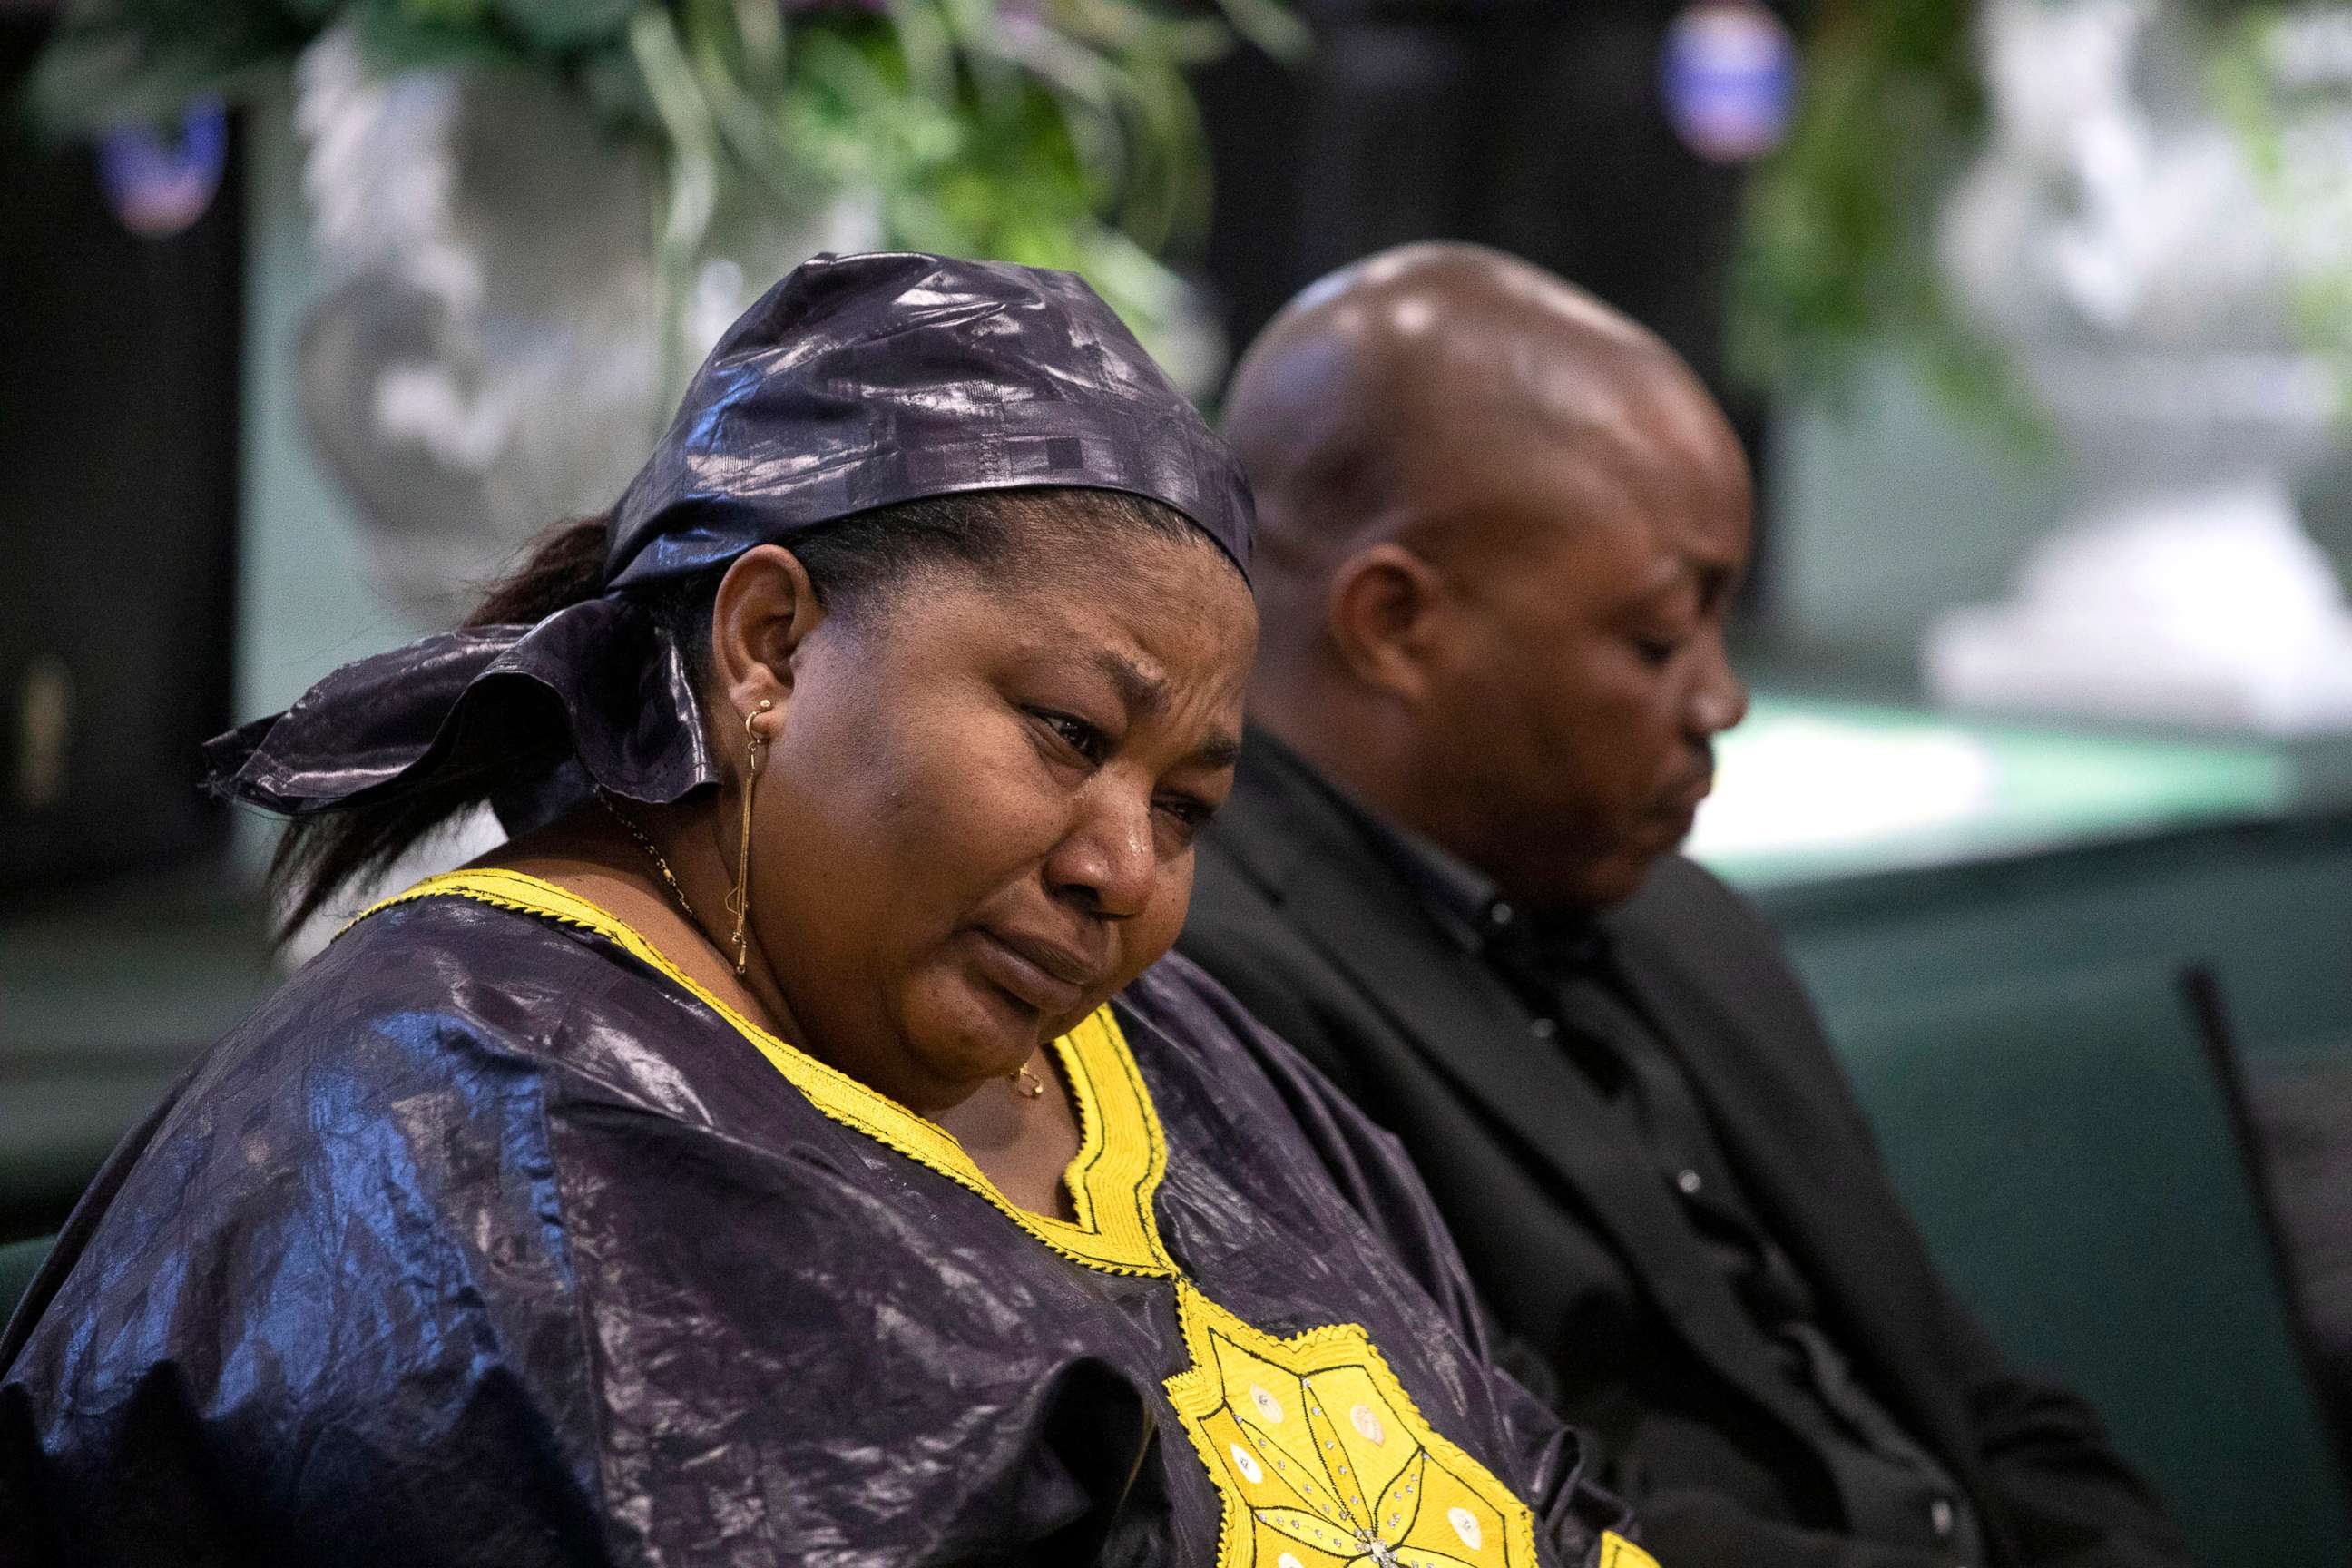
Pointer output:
x,y
752,1164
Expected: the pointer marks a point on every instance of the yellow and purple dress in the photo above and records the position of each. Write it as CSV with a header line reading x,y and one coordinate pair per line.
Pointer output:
x,y
491,1238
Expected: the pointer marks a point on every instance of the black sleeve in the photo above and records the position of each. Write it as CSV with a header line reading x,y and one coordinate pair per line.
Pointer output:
x,y
1692,1527
2060,1493
2063,1494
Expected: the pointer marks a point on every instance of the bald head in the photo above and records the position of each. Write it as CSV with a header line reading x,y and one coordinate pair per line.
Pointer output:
x,y
1370,403
1498,526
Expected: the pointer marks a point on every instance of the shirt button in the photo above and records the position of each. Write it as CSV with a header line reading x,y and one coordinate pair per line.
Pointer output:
x,y
1939,1514
1500,913
1543,1028
1689,1183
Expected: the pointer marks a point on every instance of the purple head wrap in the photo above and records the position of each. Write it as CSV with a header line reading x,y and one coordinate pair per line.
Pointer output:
x,y
857,382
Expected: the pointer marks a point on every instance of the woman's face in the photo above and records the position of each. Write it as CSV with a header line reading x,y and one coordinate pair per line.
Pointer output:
x,y
976,818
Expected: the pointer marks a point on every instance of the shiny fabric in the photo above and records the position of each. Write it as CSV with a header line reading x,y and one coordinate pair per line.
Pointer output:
x,y
620,684
857,381
482,1244
862,381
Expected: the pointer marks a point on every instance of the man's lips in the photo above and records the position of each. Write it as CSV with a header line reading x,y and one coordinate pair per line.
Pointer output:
x,y
1681,805
1048,975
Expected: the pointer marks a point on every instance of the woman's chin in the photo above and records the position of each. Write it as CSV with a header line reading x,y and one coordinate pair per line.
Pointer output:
x,y
975,1033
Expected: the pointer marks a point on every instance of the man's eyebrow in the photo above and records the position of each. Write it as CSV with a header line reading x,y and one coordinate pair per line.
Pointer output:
x,y
1667,576
1712,576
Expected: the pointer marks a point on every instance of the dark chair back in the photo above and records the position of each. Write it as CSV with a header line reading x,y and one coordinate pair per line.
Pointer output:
x,y
20,1261
2075,1162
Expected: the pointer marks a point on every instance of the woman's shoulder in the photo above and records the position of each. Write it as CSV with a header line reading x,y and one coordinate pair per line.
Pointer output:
x,y
452,972
498,968
1195,1019
1204,1046
436,1000
1179,998
1240,1099
440,1010
439,1080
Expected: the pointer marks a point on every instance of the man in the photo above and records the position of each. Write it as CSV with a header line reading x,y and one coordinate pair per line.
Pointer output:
x,y
1500,527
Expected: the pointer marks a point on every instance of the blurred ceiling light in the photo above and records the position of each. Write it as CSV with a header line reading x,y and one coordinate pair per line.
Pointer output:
x,y
1728,76
160,184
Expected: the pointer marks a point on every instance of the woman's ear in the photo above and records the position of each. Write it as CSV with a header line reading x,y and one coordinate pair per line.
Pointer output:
x,y
1377,615
763,612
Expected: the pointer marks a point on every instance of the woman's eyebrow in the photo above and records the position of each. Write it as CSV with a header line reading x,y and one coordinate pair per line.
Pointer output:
x,y
1145,692
1140,689
1222,751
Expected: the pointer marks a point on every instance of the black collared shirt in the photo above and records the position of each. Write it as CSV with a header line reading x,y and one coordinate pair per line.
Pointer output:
x,y
1894,1492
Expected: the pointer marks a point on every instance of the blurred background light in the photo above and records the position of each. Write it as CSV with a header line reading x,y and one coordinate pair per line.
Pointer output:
x,y
162,181
1727,75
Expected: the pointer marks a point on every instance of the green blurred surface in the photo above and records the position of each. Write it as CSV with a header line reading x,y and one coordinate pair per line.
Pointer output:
x,y
1809,789
2068,1154
105,996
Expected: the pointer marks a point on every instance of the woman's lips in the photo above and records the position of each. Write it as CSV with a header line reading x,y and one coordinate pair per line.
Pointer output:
x,y
1040,973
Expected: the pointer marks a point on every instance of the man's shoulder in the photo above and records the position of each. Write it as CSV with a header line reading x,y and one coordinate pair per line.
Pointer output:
x,y
1681,901
1243,932
1276,887
1687,929
1223,880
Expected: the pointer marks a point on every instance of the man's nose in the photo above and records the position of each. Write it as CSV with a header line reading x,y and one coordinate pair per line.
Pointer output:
x,y
1718,697
1108,861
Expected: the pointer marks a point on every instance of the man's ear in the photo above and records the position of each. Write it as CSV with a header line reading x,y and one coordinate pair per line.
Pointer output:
x,y
1379,617
763,612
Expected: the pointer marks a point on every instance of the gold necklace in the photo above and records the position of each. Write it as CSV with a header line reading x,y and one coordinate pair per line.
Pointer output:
x,y
1024,1082
669,878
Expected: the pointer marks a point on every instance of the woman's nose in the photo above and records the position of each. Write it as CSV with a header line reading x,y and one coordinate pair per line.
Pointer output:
x,y
1108,861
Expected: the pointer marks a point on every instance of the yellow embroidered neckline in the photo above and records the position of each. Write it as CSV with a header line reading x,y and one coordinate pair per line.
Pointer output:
x,y
1122,1154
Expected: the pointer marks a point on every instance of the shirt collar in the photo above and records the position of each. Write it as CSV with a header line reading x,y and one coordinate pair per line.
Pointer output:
x,y
1460,897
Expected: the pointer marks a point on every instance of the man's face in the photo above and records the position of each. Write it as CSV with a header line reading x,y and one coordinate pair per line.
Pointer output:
x,y
1580,675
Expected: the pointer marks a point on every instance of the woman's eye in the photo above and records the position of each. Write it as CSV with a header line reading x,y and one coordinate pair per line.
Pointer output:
x,y
1077,734
1185,809
1187,815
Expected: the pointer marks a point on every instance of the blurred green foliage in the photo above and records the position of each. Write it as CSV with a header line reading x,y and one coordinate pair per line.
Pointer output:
x,y
1836,256
1053,133
1837,251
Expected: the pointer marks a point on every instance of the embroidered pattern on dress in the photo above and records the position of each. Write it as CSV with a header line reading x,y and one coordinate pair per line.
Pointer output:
x,y
1616,1551
1321,1458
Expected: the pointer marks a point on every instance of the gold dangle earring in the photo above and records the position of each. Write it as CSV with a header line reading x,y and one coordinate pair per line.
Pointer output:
x,y
739,899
